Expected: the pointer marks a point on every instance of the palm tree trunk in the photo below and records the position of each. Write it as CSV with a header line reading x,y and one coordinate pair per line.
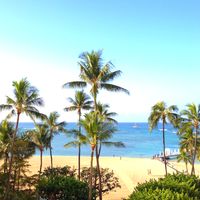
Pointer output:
x,y
97,154
164,157
50,150
18,181
99,172
99,149
194,155
186,165
14,179
95,102
11,157
79,148
5,163
91,174
40,163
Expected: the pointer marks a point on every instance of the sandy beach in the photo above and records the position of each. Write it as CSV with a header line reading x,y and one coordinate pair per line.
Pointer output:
x,y
130,171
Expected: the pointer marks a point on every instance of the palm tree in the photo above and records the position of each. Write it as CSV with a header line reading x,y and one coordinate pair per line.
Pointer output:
x,y
186,146
160,112
54,127
98,75
97,130
23,150
191,120
41,139
6,132
91,124
25,99
81,102
102,110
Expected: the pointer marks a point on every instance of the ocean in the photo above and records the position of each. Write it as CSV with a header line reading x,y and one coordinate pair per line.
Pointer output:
x,y
139,142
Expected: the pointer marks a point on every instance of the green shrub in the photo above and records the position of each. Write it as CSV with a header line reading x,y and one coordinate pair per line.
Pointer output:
x,y
62,188
108,180
172,187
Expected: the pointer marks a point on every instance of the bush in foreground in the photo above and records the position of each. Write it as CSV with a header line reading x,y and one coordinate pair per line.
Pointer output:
x,y
62,188
109,181
172,187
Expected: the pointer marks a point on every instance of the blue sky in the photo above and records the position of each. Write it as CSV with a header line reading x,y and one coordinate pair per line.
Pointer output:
x,y
155,43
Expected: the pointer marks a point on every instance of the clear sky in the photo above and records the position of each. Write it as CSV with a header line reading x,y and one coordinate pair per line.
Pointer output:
x,y
155,43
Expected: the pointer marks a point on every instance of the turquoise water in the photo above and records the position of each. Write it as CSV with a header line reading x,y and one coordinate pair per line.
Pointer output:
x,y
136,137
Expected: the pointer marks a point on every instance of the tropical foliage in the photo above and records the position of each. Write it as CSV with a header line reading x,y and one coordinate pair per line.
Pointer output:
x,y
190,124
109,181
81,102
54,127
62,188
97,75
176,186
95,127
160,112
25,100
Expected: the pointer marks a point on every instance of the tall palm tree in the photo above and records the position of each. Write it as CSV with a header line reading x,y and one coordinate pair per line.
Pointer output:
x,y
160,112
41,139
97,130
54,127
91,124
25,99
191,120
98,75
80,102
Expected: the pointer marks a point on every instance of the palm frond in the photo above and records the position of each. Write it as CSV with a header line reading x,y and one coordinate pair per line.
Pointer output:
x,y
111,76
35,114
115,144
71,108
113,88
75,84
5,107
71,144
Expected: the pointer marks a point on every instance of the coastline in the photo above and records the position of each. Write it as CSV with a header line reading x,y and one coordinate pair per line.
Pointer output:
x,y
130,171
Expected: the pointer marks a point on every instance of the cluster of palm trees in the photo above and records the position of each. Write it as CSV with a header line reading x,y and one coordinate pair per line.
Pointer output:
x,y
98,123
25,101
187,123
95,127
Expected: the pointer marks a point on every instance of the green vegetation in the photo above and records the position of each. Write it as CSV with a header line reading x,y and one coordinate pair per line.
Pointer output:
x,y
81,102
99,125
95,127
54,128
97,75
161,112
190,123
62,188
109,181
176,187
26,97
